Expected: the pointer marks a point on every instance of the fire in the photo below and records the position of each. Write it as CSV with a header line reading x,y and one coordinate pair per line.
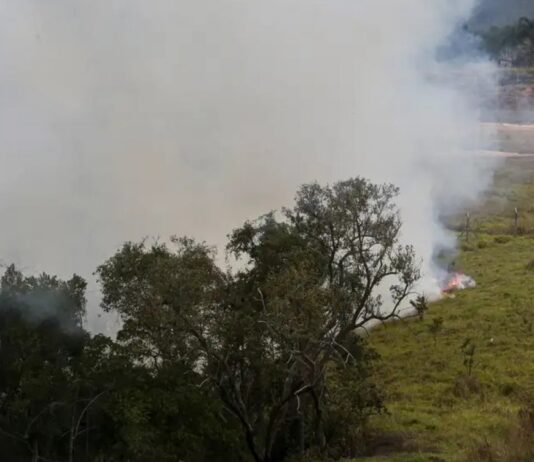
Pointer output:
x,y
458,281
454,283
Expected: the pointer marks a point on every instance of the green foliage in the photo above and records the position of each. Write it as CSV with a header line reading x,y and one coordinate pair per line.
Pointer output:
x,y
467,247
167,417
420,305
263,339
66,396
41,342
525,315
347,407
483,243
468,350
513,44
467,386
435,328
530,265
502,239
262,363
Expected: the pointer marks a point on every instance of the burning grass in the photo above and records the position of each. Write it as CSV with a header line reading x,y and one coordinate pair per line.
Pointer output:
x,y
458,281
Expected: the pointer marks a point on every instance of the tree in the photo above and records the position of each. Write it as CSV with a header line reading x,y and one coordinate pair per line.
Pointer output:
x,y
435,328
161,409
468,350
65,396
513,43
41,338
146,414
263,338
420,306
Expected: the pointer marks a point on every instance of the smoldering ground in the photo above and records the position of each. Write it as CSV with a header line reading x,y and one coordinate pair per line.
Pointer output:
x,y
124,118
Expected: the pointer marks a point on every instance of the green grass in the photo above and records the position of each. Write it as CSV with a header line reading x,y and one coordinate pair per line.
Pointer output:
x,y
513,188
428,398
420,377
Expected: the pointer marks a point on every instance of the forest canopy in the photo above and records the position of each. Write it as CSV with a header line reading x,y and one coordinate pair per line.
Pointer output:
x,y
261,363
511,45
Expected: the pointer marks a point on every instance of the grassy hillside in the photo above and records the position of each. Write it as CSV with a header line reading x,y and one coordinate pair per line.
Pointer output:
x,y
437,411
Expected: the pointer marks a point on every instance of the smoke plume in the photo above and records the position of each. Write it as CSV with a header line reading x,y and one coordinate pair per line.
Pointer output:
x,y
490,13
125,118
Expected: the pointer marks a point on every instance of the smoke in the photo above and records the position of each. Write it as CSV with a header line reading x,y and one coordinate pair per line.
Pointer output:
x,y
47,307
121,119
490,13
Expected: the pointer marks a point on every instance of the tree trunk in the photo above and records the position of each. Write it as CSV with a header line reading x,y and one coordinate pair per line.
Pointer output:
x,y
252,447
319,430
35,455
87,435
301,433
72,435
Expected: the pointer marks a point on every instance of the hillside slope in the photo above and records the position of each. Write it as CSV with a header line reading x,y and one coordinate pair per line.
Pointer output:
x,y
437,411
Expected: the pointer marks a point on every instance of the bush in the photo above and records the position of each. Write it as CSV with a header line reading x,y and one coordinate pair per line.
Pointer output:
x,y
502,239
466,386
508,389
351,399
483,244
467,247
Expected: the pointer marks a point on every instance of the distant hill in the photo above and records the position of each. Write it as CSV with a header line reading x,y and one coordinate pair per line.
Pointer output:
x,y
500,12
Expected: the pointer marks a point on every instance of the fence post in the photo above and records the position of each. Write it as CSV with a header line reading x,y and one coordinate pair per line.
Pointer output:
x,y
516,221
467,226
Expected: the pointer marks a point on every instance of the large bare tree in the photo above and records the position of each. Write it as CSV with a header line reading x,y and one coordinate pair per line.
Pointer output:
x,y
268,337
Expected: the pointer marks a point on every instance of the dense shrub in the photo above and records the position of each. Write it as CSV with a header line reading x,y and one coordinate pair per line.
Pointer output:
x,y
502,239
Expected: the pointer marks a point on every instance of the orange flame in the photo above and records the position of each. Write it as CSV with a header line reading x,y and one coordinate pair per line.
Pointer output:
x,y
458,281
455,283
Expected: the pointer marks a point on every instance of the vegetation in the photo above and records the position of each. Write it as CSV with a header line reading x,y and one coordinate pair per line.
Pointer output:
x,y
432,403
66,396
437,410
262,364
511,45
257,364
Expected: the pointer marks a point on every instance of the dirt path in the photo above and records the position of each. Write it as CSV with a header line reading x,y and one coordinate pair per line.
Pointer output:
x,y
509,138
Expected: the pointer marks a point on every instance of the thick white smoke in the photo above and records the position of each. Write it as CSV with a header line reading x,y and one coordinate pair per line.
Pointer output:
x,y
125,118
